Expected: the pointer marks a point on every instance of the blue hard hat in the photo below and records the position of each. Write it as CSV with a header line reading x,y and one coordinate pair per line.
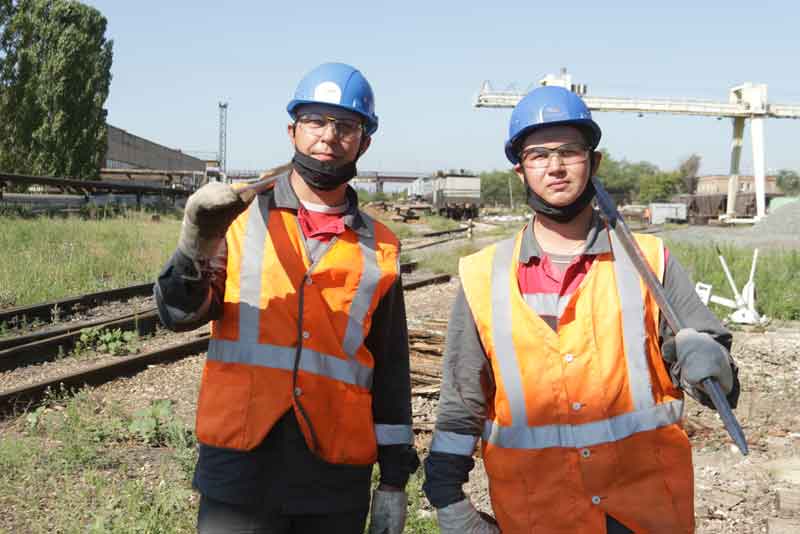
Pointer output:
x,y
339,85
549,106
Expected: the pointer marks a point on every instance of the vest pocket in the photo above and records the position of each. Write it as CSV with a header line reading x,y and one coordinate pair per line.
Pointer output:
x,y
223,405
354,440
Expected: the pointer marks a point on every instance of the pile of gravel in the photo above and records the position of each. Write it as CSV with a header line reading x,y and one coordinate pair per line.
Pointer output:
x,y
783,221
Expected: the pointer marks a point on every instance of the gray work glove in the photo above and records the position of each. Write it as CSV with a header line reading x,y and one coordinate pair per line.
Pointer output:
x,y
462,518
209,212
388,514
700,357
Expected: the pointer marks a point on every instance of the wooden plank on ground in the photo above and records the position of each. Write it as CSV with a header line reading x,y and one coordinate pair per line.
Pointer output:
x,y
789,501
783,526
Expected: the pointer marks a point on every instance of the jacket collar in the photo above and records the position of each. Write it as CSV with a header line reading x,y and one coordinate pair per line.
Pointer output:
x,y
597,241
284,197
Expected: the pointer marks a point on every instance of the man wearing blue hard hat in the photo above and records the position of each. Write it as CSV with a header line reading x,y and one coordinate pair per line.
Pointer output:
x,y
559,362
307,382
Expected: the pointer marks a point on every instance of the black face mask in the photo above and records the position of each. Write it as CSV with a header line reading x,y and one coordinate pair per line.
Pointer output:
x,y
321,175
560,214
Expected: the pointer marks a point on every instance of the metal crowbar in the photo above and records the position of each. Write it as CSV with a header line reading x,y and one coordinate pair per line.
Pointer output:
x,y
710,385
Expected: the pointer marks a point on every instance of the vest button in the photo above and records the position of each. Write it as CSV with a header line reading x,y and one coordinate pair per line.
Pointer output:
x,y
595,500
586,453
298,391
306,334
576,406
569,358
309,281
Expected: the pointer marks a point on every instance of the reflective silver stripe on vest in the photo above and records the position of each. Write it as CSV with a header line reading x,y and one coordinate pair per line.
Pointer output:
x,y
453,443
394,435
501,330
370,276
633,333
646,414
584,435
547,303
252,258
275,357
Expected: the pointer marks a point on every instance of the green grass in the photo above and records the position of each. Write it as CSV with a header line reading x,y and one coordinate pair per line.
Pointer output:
x,y
446,261
439,224
400,229
50,258
777,276
81,464
87,467
418,520
428,223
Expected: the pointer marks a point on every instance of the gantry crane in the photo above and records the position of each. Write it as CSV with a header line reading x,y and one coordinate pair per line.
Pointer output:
x,y
745,102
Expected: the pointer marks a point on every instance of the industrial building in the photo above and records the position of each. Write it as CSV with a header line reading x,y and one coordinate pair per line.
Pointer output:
x,y
718,183
128,151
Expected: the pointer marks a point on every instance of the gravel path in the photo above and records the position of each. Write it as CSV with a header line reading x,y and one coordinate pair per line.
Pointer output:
x,y
780,229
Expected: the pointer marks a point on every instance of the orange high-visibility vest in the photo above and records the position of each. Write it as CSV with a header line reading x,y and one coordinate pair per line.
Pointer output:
x,y
585,420
282,312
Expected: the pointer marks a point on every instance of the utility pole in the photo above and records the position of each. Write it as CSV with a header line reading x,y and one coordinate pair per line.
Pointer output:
x,y
223,136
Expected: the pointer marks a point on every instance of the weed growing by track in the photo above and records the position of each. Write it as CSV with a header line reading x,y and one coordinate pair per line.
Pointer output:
x,y
114,342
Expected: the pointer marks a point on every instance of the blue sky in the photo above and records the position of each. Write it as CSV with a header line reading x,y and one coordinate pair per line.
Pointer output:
x,y
173,61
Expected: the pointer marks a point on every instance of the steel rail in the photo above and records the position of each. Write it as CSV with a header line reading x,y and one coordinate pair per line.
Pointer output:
x,y
46,333
438,279
431,244
23,397
49,348
445,232
67,306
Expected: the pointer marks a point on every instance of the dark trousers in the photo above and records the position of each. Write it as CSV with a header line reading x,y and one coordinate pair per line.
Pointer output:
x,y
615,527
217,517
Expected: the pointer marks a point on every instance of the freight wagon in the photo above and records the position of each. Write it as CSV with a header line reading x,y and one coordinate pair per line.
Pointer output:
x,y
452,194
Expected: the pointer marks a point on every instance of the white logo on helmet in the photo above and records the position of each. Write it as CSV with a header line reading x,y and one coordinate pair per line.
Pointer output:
x,y
328,92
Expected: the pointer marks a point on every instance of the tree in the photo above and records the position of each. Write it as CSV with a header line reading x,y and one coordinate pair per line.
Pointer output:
x,y
788,181
688,170
622,178
659,186
55,73
495,188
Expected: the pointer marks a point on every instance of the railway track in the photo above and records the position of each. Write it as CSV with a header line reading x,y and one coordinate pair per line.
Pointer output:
x,y
425,349
53,345
48,311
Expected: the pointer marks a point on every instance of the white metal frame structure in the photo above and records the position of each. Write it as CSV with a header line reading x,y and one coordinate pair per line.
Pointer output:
x,y
746,101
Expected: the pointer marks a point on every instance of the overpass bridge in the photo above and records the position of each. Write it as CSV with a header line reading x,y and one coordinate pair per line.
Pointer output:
x,y
363,177
745,102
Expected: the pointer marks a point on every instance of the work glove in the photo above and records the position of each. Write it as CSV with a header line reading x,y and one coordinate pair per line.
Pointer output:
x,y
388,514
700,357
462,518
209,212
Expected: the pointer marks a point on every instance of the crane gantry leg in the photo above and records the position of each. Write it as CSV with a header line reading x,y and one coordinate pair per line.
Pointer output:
x,y
736,158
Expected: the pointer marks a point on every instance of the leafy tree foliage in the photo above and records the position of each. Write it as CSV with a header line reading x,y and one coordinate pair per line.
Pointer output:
x,y
55,73
659,187
788,181
495,188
